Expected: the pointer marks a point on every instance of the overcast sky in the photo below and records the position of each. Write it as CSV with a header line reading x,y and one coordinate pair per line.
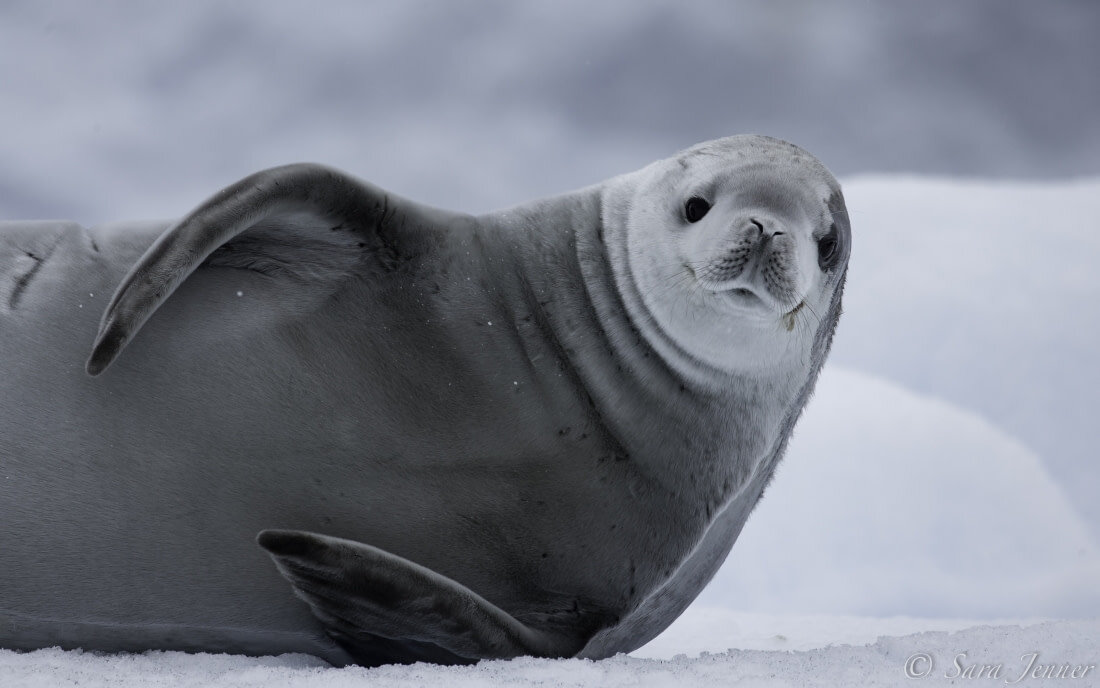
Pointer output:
x,y
117,110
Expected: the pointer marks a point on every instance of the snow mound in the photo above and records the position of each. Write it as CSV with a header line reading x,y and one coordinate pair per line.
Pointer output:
x,y
893,503
984,294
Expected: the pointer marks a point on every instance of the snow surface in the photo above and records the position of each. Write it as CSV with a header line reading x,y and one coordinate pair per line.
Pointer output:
x,y
936,656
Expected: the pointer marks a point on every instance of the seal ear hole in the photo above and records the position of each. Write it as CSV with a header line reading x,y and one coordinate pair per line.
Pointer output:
x,y
827,248
696,208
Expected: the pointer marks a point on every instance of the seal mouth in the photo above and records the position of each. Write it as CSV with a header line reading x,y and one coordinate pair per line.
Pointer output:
x,y
743,299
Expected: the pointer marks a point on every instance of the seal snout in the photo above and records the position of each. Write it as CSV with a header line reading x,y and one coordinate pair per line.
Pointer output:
x,y
751,260
766,227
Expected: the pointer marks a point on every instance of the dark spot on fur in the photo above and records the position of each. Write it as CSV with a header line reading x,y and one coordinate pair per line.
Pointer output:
x,y
91,239
24,280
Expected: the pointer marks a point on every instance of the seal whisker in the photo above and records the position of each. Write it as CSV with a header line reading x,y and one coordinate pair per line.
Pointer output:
x,y
674,281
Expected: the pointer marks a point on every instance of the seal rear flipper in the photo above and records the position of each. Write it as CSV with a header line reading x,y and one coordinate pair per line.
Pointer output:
x,y
369,599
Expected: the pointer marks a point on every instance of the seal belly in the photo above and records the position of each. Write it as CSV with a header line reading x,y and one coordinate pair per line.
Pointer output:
x,y
132,500
95,478
24,632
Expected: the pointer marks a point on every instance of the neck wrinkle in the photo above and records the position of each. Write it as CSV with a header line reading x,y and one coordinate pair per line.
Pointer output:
x,y
675,434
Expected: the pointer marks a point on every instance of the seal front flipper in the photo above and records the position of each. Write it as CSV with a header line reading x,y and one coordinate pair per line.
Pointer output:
x,y
319,215
360,592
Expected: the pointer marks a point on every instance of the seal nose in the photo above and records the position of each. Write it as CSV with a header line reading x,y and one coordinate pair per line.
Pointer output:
x,y
766,229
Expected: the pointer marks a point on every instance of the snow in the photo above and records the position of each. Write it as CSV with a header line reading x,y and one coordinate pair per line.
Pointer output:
x,y
890,502
985,295
1066,646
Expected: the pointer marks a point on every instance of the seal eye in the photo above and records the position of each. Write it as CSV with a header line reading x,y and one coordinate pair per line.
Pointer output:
x,y
827,248
695,209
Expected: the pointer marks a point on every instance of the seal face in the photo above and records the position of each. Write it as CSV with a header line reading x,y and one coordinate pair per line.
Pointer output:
x,y
726,249
537,431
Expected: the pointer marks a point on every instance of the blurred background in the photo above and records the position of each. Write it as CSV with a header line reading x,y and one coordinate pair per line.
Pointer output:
x,y
139,110
135,109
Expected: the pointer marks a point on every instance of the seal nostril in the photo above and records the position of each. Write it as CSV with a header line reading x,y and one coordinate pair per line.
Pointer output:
x,y
764,232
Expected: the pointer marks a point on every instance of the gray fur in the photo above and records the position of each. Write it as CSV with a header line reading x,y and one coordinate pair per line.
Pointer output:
x,y
469,445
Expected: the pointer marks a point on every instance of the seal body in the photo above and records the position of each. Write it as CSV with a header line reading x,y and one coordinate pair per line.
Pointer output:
x,y
461,437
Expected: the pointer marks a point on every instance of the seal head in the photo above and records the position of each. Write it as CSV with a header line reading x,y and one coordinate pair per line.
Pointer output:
x,y
730,254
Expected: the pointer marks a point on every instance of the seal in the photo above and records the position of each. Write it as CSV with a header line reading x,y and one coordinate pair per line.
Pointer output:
x,y
533,432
